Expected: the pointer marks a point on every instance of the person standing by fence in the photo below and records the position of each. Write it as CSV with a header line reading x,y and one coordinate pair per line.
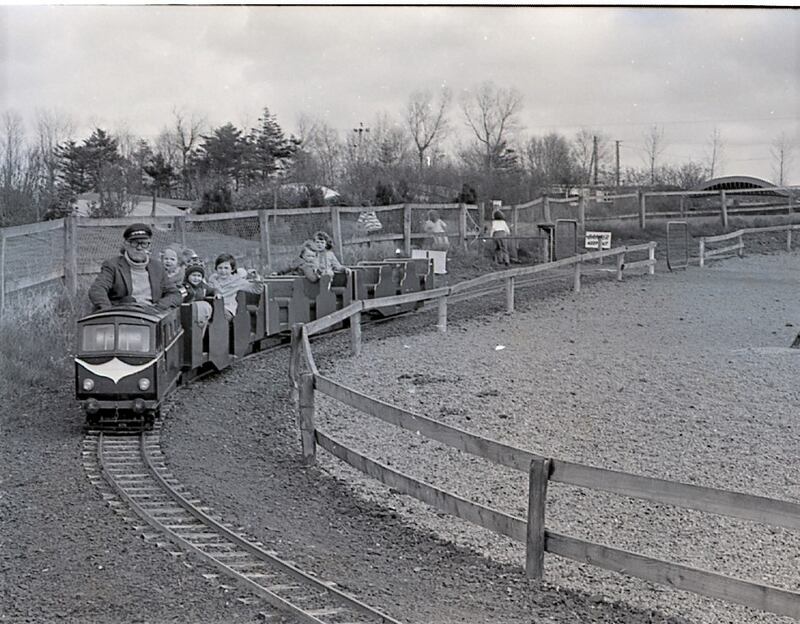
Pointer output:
x,y
499,230
133,276
437,228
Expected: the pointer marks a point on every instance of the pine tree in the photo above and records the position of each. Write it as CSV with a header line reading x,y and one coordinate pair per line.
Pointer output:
x,y
272,151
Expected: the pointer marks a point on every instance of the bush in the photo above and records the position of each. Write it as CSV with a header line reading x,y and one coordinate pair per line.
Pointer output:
x,y
38,338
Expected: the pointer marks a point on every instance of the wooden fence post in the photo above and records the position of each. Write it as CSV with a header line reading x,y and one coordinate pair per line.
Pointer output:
x,y
546,209
683,206
740,251
651,256
336,226
71,255
509,294
355,333
702,252
2,272
515,229
407,229
462,224
723,210
788,238
642,209
441,323
582,211
620,266
576,285
295,349
535,536
305,419
180,229
263,237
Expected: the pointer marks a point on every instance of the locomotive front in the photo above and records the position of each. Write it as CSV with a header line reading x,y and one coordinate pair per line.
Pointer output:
x,y
120,366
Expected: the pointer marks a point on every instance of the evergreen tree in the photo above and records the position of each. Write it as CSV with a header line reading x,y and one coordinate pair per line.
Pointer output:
x,y
272,151
222,153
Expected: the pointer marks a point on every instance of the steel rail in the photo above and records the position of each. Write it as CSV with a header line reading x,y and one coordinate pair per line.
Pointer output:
x,y
145,480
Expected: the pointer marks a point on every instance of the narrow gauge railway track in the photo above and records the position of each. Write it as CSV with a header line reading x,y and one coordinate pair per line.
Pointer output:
x,y
131,472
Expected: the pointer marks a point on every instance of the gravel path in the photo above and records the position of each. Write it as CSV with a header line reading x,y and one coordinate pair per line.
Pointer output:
x,y
686,377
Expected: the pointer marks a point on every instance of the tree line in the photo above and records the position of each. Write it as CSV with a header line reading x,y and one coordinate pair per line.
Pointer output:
x,y
415,155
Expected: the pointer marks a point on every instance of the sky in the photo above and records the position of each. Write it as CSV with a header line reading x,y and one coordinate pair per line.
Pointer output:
x,y
618,71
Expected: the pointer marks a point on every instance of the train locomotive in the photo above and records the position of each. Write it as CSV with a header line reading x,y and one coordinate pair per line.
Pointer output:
x,y
130,358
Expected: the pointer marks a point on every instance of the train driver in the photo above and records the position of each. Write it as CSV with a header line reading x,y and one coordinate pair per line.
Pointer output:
x,y
134,276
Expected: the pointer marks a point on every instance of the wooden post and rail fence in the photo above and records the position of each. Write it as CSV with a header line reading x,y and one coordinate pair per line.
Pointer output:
x,y
540,469
738,236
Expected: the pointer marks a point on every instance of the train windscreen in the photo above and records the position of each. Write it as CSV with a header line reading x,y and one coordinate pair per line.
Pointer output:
x,y
98,338
134,338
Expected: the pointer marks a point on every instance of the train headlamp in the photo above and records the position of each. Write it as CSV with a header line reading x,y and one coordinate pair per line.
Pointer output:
x,y
144,384
88,384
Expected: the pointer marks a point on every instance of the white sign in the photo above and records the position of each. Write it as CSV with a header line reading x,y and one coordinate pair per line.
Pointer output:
x,y
598,240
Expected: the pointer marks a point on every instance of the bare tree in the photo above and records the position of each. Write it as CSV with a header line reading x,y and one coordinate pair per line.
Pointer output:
x,y
322,143
187,134
583,152
389,141
654,146
782,155
427,120
715,153
492,115
52,128
12,143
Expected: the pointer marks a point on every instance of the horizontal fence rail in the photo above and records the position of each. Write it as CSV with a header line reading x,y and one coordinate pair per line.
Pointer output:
x,y
738,235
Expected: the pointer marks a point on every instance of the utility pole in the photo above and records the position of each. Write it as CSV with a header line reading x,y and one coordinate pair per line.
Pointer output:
x,y
617,142
594,157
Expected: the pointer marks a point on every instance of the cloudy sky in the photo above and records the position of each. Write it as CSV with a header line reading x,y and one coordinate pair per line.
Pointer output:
x,y
614,70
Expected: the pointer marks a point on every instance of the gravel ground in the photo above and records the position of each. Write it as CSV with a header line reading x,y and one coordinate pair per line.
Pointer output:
x,y
666,354
686,377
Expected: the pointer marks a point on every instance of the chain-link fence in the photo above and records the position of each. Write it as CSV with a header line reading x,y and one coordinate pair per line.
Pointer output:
x,y
270,240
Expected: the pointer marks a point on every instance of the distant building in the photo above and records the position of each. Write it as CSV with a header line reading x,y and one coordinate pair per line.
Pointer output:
x,y
734,183
141,205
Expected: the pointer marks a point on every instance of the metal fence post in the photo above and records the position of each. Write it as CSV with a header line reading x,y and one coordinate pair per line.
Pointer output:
x,y
535,537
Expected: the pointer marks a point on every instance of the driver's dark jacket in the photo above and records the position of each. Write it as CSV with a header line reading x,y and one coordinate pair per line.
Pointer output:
x,y
114,284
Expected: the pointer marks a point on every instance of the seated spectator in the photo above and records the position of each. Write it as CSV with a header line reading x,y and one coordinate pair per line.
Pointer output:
x,y
438,230
323,245
227,281
197,291
133,276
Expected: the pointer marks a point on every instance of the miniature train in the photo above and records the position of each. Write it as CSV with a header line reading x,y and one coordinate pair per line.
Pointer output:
x,y
130,358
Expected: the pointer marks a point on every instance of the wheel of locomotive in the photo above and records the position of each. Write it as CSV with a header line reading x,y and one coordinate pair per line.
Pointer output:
x,y
150,418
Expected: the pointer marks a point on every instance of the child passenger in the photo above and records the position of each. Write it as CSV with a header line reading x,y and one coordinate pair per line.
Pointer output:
x,y
196,291
310,265
323,245
172,266
228,282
